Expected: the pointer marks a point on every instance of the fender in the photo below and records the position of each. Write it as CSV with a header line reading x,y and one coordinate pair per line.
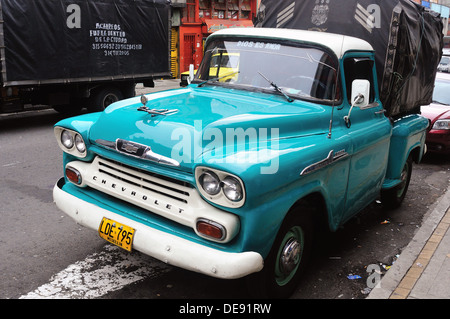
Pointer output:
x,y
266,219
273,196
82,124
408,135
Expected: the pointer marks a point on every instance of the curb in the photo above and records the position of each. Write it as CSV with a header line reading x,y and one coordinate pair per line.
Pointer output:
x,y
389,284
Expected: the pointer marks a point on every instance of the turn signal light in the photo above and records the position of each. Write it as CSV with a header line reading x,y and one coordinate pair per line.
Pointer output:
x,y
211,229
73,175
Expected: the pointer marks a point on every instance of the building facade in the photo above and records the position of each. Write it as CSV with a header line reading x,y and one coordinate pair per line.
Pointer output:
x,y
195,20
440,6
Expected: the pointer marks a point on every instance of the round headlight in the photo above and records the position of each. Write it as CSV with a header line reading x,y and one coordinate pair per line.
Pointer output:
x,y
232,189
67,139
79,143
210,183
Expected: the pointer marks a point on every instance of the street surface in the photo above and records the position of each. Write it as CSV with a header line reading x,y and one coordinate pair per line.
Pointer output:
x,y
44,254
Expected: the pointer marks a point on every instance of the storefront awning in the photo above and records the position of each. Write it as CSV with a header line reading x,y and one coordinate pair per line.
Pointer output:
x,y
213,25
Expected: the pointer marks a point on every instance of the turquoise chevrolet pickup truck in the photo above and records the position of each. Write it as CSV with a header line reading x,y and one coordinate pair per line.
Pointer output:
x,y
231,175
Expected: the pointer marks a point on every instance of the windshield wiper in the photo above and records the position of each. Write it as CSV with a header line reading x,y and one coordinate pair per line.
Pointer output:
x,y
217,79
276,87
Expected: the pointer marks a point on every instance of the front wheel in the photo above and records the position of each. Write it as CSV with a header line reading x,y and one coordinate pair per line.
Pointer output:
x,y
392,198
286,260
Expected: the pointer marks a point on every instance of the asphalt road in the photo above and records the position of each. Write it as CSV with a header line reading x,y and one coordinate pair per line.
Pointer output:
x,y
44,254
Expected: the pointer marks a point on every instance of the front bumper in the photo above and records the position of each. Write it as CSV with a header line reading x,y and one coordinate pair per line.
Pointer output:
x,y
166,247
438,141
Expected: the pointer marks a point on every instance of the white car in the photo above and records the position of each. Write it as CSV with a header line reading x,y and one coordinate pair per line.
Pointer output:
x,y
444,65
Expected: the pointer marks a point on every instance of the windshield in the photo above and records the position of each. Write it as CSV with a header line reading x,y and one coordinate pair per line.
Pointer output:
x,y
294,71
440,93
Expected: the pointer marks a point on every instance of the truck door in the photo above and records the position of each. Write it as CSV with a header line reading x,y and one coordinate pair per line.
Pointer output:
x,y
369,131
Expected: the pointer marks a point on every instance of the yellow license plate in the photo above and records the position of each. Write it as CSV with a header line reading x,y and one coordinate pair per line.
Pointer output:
x,y
116,233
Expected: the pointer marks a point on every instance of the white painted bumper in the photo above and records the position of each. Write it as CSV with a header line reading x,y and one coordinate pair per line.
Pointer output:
x,y
166,247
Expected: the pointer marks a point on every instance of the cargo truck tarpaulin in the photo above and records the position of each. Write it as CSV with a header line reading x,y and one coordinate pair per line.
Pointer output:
x,y
65,41
407,39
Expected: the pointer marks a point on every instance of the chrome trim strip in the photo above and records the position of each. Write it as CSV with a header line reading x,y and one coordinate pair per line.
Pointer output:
x,y
330,159
106,143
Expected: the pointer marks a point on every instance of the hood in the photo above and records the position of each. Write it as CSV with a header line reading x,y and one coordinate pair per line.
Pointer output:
x,y
435,111
207,118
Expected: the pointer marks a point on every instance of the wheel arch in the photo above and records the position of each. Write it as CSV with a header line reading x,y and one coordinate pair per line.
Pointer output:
x,y
315,204
417,153
275,281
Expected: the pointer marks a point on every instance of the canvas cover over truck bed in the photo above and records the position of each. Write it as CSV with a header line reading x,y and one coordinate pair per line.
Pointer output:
x,y
66,41
407,39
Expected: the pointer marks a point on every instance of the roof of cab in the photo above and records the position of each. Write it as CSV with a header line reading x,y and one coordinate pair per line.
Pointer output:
x,y
337,43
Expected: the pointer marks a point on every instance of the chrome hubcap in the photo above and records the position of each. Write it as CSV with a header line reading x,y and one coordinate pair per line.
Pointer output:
x,y
290,256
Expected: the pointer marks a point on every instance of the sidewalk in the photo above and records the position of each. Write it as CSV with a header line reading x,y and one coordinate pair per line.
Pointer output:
x,y
423,269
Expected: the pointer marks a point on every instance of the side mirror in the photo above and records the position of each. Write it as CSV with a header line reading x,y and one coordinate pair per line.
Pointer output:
x,y
359,97
191,73
360,93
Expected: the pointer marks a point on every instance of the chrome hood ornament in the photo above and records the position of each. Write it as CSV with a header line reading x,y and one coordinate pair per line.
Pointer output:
x,y
154,112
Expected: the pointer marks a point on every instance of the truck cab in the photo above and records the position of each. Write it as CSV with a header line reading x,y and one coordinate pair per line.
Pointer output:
x,y
232,175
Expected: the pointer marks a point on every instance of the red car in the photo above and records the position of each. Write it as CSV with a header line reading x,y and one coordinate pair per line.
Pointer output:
x,y
438,138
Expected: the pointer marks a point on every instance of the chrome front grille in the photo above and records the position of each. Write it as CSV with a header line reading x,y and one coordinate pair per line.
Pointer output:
x,y
165,196
155,183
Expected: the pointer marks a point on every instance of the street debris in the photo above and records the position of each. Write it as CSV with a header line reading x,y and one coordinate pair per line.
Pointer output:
x,y
366,291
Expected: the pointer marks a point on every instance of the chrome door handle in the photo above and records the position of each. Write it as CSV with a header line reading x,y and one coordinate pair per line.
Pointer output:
x,y
380,112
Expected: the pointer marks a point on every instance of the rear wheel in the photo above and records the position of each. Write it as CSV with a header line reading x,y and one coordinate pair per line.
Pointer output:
x,y
103,98
392,198
286,260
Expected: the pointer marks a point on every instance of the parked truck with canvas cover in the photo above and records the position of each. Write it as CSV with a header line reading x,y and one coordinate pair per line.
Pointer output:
x,y
233,175
72,54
